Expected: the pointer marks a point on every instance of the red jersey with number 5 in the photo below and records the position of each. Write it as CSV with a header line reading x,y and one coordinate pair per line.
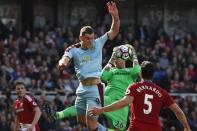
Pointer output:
x,y
148,101
24,109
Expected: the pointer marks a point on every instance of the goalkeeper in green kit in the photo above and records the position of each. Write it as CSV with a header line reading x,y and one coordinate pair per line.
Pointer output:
x,y
118,78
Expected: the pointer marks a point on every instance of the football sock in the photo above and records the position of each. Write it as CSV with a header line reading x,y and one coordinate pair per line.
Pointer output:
x,y
68,112
108,129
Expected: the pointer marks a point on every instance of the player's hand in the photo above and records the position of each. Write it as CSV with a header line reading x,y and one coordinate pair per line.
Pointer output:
x,y
115,49
114,56
187,129
61,66
133,50
112,9
95,111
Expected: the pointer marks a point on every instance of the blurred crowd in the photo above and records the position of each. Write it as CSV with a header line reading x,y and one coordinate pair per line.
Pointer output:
x,y
32,58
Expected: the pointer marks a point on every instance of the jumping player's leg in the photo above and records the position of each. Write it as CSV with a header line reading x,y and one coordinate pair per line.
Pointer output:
x,y
68,112
80,106
119,118
84,118
53,115
87,98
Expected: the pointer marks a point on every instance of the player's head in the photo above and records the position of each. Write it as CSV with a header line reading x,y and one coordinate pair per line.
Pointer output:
x,y
147,70
86,36
20,88
119,63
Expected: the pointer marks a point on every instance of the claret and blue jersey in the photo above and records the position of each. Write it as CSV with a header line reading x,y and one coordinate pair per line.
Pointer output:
x,y
88,63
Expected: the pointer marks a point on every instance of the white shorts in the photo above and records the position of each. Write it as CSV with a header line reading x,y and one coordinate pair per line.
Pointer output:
x,y
88,97
24,127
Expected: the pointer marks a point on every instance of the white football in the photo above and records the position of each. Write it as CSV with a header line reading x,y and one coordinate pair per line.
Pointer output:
x,y
124,52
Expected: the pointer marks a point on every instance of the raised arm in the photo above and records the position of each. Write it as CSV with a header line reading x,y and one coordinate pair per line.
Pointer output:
x,y
114,30
180,115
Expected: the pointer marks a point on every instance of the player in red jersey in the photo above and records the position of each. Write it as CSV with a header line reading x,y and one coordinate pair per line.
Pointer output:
x,y
146,100
26,109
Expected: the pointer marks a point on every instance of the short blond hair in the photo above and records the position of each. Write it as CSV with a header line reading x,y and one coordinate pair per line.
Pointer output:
x,y
86,30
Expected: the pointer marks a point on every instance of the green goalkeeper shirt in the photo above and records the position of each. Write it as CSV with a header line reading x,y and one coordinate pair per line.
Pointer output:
x,y
118,80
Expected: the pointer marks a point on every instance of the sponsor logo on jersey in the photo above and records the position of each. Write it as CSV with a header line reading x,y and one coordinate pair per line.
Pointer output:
x,y
86,58
19,110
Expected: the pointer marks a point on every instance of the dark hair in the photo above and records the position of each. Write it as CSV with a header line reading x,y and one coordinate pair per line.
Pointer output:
x,y
18,83
147,70
86,30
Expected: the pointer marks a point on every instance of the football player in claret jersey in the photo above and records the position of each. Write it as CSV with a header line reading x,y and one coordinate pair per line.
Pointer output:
x,y
146,100
26,109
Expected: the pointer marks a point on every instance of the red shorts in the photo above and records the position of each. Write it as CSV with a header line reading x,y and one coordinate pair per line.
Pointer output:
x,y
143,127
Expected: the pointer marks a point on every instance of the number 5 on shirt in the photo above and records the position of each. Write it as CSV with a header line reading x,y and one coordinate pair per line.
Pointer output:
x,y
147,102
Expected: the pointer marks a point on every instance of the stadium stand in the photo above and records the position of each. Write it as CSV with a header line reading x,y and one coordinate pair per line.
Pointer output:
x,y
32,56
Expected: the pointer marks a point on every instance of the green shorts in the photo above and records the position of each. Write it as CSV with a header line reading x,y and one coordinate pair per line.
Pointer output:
x,y
119,118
